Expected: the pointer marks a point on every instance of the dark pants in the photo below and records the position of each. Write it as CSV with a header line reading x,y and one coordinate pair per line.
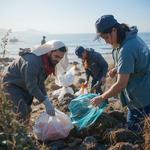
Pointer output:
x,y
21,99
98,89
136,116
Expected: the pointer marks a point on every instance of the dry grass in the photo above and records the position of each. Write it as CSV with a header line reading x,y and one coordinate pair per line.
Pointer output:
x,y
15,134
146,133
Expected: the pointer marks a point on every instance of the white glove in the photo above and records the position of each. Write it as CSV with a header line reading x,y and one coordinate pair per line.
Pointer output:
x,y
49,107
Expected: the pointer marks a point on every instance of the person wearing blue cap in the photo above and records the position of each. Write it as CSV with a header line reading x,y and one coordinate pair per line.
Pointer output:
x,y
95,66
132,68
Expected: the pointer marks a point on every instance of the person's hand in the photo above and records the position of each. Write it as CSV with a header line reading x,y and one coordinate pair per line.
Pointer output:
x,y
49,107
112,72
96,101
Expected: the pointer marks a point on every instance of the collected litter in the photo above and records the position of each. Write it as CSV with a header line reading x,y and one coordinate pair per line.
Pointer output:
x,y
82,113
65,81
48,128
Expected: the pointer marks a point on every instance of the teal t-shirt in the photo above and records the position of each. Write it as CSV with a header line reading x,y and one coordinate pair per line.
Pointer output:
x,y
134,59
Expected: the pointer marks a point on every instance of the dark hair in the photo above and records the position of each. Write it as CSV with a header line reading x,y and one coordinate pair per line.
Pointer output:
x,y
121,31
63,49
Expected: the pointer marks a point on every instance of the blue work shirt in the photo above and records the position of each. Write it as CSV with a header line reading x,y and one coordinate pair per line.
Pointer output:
x,y
98,66
134,59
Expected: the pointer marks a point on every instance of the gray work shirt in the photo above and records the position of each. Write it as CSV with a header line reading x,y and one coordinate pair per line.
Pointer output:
x,y
28,73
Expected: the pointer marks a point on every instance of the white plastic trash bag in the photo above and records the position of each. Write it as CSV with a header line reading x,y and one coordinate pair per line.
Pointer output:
x,y
66,79
74,70
56,127
65,90
59,93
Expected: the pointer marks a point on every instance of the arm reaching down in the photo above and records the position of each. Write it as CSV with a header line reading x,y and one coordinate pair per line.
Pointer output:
x,y
116,88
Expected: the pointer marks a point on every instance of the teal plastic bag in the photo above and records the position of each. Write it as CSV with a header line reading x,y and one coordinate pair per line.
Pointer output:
x,y
82,113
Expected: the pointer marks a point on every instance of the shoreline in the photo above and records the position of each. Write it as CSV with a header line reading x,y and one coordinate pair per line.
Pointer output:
x,y
107,56
4,62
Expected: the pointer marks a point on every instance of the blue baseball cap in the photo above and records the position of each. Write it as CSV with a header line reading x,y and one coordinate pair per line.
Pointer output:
x,y
105,22
79,51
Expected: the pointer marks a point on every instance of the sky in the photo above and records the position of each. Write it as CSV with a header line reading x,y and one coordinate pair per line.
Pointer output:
x,y
71,16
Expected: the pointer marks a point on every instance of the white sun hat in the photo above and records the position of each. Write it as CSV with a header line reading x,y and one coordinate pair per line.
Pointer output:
x,y
61,67
47,47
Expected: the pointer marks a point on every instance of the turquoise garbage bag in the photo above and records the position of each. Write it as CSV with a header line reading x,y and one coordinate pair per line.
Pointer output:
x,y
82,113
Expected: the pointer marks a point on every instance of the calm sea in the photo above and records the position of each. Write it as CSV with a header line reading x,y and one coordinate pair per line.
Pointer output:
x,y
28,40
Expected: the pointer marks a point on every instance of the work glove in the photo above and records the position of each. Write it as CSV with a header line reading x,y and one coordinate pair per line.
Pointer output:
x,y
49,107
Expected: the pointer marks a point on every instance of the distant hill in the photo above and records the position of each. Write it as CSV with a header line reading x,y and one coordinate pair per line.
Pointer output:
x,y
30,32
26,35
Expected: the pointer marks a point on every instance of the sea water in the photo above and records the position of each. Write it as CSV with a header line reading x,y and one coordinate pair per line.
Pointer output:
x,y
30,40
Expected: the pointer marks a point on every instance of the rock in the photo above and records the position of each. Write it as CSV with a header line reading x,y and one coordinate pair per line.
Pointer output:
x,y
104,122
57,145
36,102
100,147
118,115
122,146
69,96
63,105
74,142
89,143
114,104
54,87
67,148
35,110
147,133
139,147
120,135
78,134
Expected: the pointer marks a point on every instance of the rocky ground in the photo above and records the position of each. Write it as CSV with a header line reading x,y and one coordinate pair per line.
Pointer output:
x,y
107,132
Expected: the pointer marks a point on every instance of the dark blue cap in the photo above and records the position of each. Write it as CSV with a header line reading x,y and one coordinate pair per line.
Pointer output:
x,y
104,23
79,50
